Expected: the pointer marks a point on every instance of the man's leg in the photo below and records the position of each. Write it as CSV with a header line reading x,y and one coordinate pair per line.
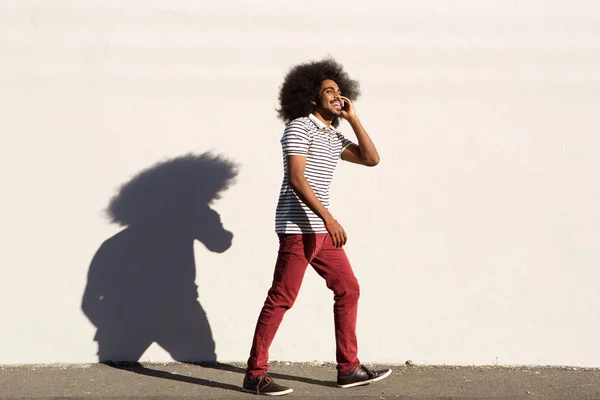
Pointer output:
x,y
333,265
295,252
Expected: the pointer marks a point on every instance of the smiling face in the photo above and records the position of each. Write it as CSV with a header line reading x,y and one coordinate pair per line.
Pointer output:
x,y
329,104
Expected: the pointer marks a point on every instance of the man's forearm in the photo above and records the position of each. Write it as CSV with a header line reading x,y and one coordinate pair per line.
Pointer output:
x,y
305,192
368,151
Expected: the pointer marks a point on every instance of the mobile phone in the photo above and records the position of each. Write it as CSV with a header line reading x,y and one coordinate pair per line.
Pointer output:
x,y
343,103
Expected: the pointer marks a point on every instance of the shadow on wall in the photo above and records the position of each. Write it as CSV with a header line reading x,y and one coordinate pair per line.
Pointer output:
x,y
141,283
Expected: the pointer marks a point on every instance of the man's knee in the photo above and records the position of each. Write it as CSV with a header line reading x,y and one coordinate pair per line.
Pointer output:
x,y
281,297
354,290
349,290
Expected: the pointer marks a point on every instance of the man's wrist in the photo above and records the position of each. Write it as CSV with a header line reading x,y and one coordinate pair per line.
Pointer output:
x,y
353,120
329,220
328,224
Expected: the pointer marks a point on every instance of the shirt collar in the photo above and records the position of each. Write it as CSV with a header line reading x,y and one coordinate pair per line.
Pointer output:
x,y
321,125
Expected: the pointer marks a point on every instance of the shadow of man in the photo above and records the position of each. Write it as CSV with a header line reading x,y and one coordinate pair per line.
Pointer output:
x,y
141,282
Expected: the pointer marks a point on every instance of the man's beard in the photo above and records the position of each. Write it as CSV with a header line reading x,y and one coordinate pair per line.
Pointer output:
x,y
335,121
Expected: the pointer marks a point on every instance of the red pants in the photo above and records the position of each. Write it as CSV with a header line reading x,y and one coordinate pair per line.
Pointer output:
x,y
295,253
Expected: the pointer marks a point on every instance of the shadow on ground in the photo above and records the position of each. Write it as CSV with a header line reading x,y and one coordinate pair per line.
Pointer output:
x,y
142,370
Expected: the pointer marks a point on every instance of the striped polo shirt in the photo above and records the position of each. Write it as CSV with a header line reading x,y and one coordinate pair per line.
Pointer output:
x,y
322,146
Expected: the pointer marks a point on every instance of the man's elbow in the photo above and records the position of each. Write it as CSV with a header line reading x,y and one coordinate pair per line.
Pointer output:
x,y
371,162
295,181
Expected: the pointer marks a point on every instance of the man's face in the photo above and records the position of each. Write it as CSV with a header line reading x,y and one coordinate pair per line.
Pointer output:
x,y
330,100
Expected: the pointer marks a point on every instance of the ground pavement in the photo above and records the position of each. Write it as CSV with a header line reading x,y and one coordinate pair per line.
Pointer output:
x,y
309,380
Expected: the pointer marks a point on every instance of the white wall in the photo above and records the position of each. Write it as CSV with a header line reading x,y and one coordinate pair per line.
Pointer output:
x,y
476,240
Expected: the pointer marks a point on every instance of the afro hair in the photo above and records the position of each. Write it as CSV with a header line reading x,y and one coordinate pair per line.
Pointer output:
x,y
303,82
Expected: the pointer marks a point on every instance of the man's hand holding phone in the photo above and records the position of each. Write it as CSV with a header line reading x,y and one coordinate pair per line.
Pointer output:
x,y
348,110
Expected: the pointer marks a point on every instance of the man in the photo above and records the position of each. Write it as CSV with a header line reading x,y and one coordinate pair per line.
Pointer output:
x,y
313,97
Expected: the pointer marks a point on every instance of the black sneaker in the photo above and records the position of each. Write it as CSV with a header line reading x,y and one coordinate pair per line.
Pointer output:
x,y
264,384
362,376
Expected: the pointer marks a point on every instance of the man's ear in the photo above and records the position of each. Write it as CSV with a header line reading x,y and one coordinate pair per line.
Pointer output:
x,y
314,103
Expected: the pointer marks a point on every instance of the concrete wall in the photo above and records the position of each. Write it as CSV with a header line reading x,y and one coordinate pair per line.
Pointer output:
x,y
476,240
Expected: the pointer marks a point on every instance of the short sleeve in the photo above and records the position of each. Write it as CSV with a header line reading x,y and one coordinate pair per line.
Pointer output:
x,y
345,143
296,139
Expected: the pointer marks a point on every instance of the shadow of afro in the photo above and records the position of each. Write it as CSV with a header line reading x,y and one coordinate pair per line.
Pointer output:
x,y
303,82
172,190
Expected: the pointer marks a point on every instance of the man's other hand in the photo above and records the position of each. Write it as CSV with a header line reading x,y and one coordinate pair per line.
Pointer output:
x,y
337,233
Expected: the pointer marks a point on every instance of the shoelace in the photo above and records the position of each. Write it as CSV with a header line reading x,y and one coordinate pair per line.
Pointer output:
x,y
264,377
368,371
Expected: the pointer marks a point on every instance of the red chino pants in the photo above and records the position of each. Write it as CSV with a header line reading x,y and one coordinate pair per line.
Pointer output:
x,y
296,252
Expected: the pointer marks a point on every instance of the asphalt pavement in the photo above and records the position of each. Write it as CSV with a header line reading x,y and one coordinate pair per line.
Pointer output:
x,y
309,381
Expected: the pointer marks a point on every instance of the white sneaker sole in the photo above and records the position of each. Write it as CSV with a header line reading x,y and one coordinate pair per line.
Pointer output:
x,y
284,392
349,385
